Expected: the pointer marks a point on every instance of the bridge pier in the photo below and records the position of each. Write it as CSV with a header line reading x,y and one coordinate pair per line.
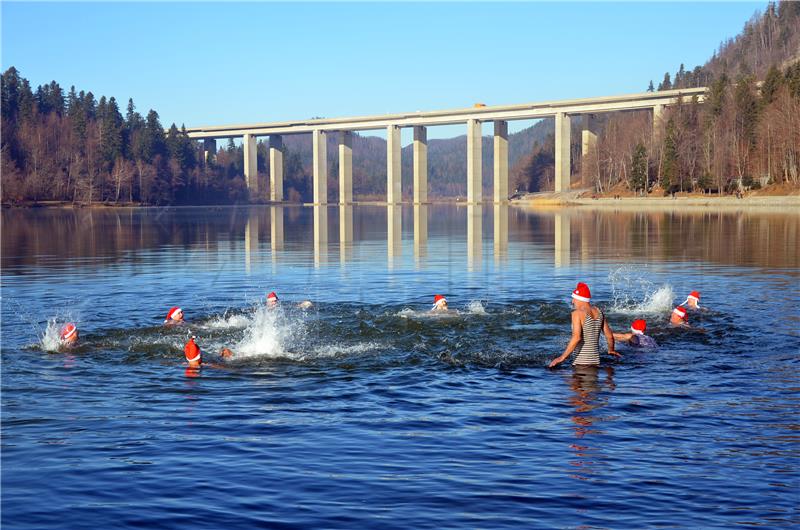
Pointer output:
x,y
346,167
276,168
250,164
658,123
420,164
209,149
474,162
500,161
588,145
562,180
393,165
320,162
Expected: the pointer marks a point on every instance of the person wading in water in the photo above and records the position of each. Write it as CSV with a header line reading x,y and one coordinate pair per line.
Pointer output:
x,y
587,322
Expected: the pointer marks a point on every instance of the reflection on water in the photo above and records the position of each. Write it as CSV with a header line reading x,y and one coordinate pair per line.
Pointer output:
x,y
562,239
760,238
474,236
588,399
320,235
345,233
500,232
420,233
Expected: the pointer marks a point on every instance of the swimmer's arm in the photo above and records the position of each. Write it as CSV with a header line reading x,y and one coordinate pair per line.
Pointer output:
x,y
623,337
573,341
609,338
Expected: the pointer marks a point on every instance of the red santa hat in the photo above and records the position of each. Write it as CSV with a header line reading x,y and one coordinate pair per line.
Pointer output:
x,y
638,327
172,313
68,331
272,297
192,350
694,295
582,293
680,311
438,300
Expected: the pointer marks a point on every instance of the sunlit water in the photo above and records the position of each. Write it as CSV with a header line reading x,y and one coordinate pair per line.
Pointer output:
x,y
368,411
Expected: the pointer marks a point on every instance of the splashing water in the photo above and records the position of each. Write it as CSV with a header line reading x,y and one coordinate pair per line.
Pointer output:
x,y
634,293
266,335
238,321
476,308
51,339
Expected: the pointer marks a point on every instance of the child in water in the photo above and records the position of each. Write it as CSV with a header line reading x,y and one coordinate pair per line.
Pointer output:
x,y
69,334
439,304
679,317
636,338
693,300
174,316
272,302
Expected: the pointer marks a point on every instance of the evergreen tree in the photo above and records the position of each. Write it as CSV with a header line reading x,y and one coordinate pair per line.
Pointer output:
x,y
669,172
666,84
110,131
638,179
772,83
650,86
152,138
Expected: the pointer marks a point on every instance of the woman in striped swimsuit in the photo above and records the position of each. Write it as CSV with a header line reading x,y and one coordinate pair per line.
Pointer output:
x,y
587,322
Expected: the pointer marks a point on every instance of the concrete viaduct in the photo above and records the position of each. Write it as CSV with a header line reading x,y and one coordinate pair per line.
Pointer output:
x,y
392,123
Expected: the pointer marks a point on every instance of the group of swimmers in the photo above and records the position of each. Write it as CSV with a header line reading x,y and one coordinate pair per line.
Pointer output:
x,y
588,321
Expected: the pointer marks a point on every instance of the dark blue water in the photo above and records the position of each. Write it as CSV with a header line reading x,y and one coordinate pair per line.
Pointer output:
x,y
366,411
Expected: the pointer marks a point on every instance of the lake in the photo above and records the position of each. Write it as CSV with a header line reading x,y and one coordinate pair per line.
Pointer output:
x,y
368,411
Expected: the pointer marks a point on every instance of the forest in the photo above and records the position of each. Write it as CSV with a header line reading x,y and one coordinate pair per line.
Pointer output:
x,y
69,146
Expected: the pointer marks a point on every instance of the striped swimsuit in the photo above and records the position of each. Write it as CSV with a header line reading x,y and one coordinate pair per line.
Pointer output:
x,y
588,347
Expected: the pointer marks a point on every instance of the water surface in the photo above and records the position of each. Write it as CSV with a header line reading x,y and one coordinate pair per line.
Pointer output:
x,y
367,411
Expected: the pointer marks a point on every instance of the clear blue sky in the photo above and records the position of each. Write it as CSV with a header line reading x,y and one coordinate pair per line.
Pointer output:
x,y
214,63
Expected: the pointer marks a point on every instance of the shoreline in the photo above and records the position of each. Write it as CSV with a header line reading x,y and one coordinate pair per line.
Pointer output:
x,y
543,200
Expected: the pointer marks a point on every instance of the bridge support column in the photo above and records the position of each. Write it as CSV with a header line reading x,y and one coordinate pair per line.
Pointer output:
x,y
393,165
500,161
658,123
346,167
420,164
474,162
250,164
320,159
276,168
588,147
562,152
209,149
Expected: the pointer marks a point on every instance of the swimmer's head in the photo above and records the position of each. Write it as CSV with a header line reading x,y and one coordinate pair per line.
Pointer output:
x,y
439,303
581,293
305,304
693,300
226,353
69,333
638,327
272,299
192,352
678,315
175,314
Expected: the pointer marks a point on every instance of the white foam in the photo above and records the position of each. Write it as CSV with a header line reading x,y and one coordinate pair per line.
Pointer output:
x,y
476,308
332,350
265,335
228,322
633,292
51,339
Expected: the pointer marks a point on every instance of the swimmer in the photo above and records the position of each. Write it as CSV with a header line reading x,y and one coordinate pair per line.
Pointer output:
x,y
69,334
226,353
679,317
174,316
305,304
439,304
192,352
272,300
587,322
636,338
693,300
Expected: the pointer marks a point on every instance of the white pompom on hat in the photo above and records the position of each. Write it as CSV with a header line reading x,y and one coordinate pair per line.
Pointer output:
x,y
582,292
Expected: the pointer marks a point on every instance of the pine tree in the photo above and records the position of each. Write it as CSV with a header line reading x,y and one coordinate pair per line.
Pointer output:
x,y
669,172
638,180
650,86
